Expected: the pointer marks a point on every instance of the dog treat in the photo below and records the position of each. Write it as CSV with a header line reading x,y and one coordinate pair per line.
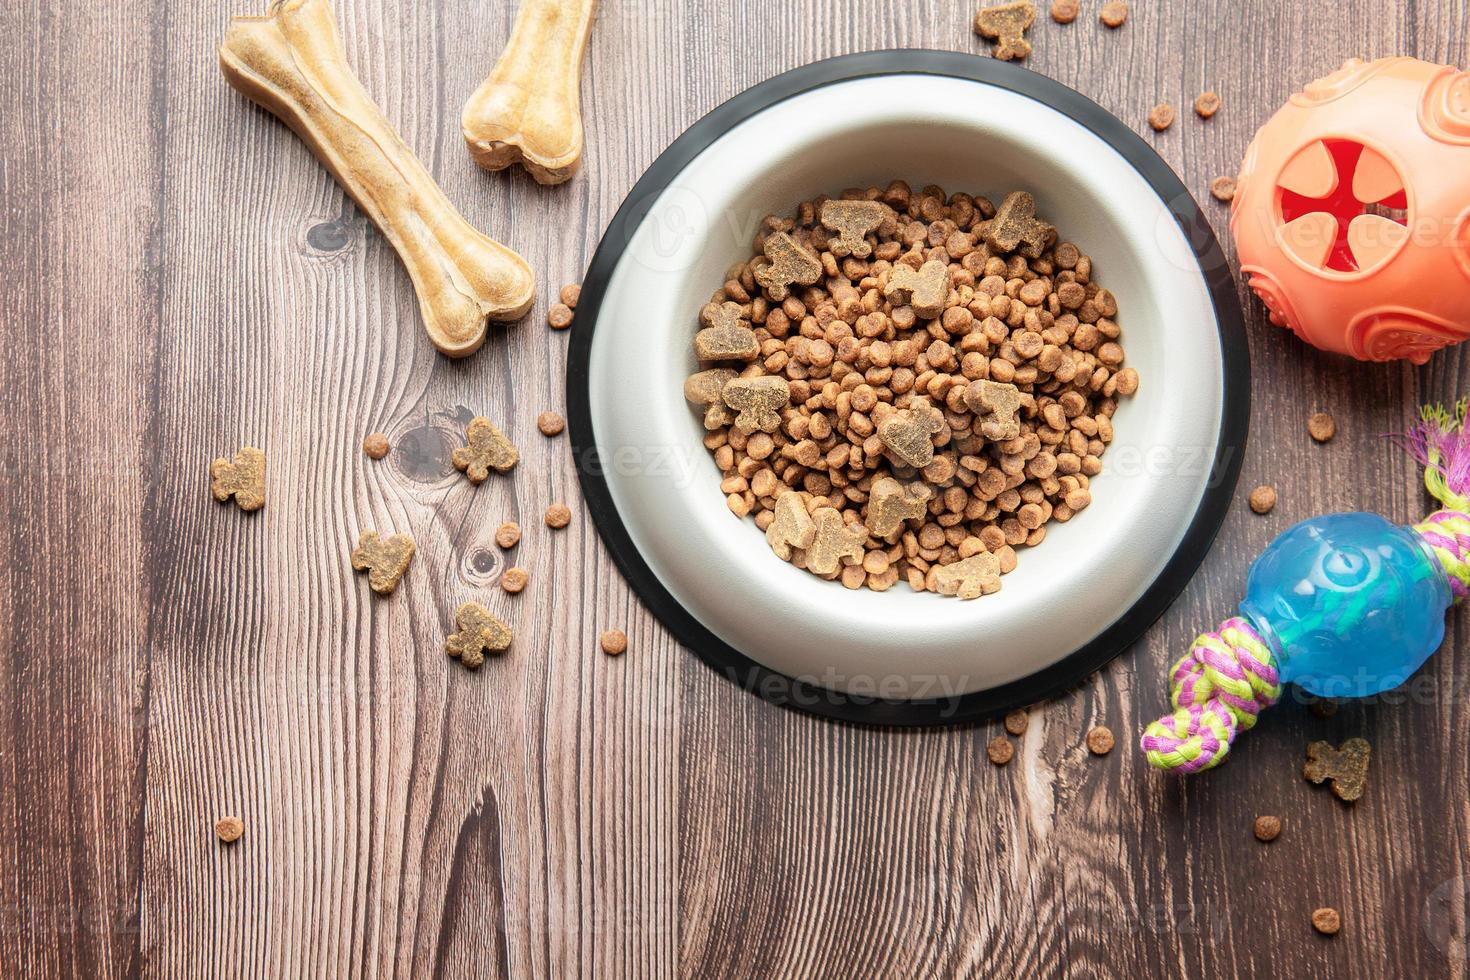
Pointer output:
x,y
529,110
1207,105
614,643
558,516
1161,117
924,289
488,449
707,389
1017,721
1114,14
1064,11
229,829
1267,828
1326,921
1015,225
726,335
1006,24
376,446
242,478
788,263
479,633
948,394
385,560
908,434
1263,499
1223,189
997,406
791,526
1000,750
969,579
891,504
1321,427
551,424
570,294
835,544
559,317
508,535
1100,740
853,221
513,580
757,402
1346,766
291,62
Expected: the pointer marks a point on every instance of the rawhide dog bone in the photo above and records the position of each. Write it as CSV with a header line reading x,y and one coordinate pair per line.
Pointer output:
x,y
292,63
529,110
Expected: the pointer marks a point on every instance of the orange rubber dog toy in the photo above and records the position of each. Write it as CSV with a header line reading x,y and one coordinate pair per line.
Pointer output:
x,y
1352,211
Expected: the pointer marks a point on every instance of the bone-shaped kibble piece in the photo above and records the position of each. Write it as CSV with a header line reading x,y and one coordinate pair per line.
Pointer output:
x,y
291,61
384,559
1347,766
242,478
926,290
997,405
488,449
726,335
890,503
835,544
479,633
792,526
788,263
529,110
969,579
1006,25
758,401
706,388
908,433
853,221
1015,227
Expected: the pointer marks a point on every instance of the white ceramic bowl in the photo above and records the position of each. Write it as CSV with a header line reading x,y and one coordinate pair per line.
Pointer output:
x,y
1095,583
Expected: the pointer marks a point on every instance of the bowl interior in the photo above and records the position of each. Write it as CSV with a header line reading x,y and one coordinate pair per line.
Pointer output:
x,y
963,135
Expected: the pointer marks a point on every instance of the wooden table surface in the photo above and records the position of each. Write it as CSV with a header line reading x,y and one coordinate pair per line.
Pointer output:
x,y
180,277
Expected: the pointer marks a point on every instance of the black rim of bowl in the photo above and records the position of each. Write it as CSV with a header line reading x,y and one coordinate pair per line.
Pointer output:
x,y
1077,666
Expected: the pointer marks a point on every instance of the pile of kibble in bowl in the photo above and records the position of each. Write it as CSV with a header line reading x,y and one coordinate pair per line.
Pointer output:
x,y
909,385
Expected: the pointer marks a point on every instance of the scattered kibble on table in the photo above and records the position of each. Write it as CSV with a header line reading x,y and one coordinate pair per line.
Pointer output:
x,y
558,516
1326,921
559,317
508,535
1207,105
376,445
570,293
1100,740
551,424
1000,750
1064,11
514,580
1017,721
1114,14
1161,117
614,643
1267,828
1223,189
1263,499
229,829
1321,427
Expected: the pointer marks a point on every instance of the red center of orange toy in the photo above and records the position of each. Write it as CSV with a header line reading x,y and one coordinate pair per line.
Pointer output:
x,y
1342,203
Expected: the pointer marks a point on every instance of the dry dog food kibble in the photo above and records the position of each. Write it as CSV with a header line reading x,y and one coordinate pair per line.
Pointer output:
x,y
1321,427
570,294
558,516
1000,750
1114,14
384,559
551,424
614,643
376,445
1223,189
1267,828
909,385
1064,11
1263,499
1006,25
479,633
1346,766
488,449
1326,921
514,580
1100,740
508,535
1017,721
1207,105
559,317
229,829
242,478
1161,117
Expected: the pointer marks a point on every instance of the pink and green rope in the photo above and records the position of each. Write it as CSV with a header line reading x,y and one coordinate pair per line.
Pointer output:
x,y
1229,676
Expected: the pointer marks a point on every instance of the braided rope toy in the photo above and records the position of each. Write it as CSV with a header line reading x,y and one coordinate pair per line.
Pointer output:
x,y
1343,605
